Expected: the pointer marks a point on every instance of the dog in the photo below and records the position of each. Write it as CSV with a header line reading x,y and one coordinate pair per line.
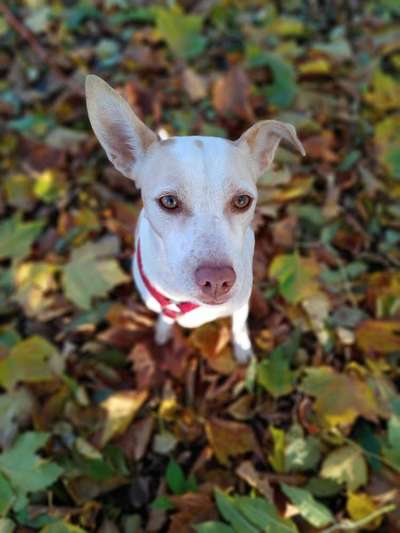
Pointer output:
x,y
194,242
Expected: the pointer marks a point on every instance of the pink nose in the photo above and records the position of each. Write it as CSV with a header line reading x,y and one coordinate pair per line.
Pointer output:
x,y
215,281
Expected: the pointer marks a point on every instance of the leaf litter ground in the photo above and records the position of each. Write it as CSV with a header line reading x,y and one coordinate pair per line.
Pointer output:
x,y
100,430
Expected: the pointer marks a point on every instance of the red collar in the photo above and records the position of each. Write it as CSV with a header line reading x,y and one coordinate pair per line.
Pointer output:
x,y
184,307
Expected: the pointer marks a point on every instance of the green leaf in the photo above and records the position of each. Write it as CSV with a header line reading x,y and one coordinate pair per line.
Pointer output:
x,y
296,276
274,373
181,32
213,527
25,470
16,237
7,496
264,515
364,435
346,465
323,488
301,453
282,91
32,360
314,512
277,457
392,450
175,477
162,502
89,274
15,409
227,508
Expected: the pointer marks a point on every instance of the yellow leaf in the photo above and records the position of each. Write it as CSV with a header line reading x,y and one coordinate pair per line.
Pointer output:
x,y
359,506
120,408
32,281
296,276
315,66
385,92
340,398
382,336
32,360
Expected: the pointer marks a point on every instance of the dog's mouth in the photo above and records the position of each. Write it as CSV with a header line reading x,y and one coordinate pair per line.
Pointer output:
x,y
215,301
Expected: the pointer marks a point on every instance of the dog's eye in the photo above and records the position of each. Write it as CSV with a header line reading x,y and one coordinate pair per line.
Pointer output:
x,y
169,201
242,201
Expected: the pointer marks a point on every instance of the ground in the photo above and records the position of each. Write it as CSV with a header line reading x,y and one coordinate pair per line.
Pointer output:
x,y
100,430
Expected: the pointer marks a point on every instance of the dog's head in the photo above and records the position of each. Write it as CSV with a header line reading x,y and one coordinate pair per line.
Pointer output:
x,y
199,194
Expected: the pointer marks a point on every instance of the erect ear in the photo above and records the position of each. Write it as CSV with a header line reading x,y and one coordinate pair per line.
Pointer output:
x,y
121,133
262,141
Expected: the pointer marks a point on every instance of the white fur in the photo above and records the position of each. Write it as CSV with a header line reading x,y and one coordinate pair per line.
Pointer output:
x,y
205,173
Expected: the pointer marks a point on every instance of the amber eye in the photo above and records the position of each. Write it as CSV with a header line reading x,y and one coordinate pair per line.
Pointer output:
x,y
169,201
242,201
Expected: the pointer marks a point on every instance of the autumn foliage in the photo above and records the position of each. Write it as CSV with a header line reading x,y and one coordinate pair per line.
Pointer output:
x,y
100,430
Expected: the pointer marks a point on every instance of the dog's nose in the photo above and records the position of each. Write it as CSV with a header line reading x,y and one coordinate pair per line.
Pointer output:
x,y
215,281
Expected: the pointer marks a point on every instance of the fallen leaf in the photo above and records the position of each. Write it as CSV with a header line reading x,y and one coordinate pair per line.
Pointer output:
x,y
296,276
89,274
346,465
17,237
229,439
231,92
182,32
32,360
25,470
33,281
384,94
120,409
194,84
256,480
317,514
359,506
387,139
191,508
378,336
340,398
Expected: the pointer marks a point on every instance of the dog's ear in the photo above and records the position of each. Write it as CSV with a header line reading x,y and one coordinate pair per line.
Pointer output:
x,y
262,140
121,133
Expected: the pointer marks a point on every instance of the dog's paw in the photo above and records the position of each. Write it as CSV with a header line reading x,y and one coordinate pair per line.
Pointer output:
x,y
242,354
161,337
163,332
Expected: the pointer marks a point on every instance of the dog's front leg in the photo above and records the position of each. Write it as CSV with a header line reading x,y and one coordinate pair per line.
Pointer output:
x,y
241,340
163,329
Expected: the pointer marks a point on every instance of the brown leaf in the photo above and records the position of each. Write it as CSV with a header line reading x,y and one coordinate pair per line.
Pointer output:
x,y
136,439
284,231
231,94
321,147
381,336
144,366
192,508
229,438
255,479
211,338
194,84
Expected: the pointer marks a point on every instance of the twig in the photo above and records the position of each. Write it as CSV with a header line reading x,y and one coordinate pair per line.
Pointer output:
x,y
28,36
347,525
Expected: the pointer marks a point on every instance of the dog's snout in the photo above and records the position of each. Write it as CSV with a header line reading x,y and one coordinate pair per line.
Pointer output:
x,y
215,281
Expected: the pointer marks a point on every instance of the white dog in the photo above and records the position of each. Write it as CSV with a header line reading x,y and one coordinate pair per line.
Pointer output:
x,y
194,243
